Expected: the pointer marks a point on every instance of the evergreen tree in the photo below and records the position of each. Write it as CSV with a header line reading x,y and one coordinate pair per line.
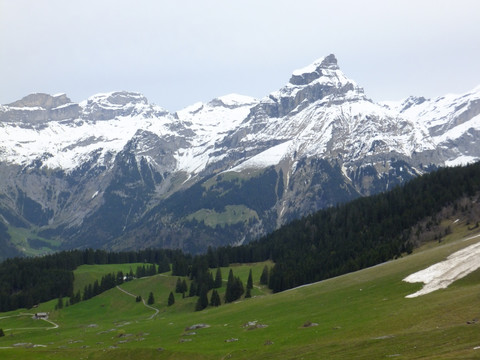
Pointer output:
x,y
151,299
248,293
215,298
138,298
202,301
119,278
193,289
1,333
178,286
184,287
234,288
96,288
163,265
264,276
218,279
171,299
59,303
250,280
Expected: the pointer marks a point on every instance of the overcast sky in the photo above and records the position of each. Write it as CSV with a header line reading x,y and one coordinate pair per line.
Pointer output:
x,y
179,52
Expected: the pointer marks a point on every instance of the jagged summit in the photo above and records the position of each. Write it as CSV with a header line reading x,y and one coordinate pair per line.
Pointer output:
x,y
313,71
322,80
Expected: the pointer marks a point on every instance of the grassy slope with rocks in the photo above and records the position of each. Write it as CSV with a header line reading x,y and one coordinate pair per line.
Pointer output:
x,y
361,315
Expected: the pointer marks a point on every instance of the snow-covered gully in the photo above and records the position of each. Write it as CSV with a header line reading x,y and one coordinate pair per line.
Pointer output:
x,y
442,274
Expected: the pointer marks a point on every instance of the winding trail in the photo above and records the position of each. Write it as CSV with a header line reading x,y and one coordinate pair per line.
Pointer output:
x,y
55,325
143,300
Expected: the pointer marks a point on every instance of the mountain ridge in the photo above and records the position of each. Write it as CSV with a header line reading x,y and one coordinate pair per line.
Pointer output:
x,y
111,167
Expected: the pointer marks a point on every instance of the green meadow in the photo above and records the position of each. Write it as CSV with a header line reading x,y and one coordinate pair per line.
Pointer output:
x,y
361,315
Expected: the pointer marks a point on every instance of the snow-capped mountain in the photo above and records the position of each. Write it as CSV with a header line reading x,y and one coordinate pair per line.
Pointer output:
x,y
115,171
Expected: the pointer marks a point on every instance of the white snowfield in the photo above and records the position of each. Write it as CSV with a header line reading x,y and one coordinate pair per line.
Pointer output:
x,y
323,116
442,274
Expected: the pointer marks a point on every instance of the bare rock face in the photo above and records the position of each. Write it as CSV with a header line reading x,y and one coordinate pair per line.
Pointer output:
x,y
120,103
37,109
45,101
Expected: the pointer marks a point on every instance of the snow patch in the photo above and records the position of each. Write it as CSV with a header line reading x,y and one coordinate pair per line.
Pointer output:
x,y
442,274
461,160
237,100
266,158
309,69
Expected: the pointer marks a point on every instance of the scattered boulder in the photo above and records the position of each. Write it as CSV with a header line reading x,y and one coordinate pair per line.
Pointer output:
x,y
252,325
308,324
197,326
268,342
231,340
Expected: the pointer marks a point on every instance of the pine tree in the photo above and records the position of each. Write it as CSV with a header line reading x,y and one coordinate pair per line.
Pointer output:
x,y
78,297
218,279
119,278
1,333
202,301
193,289
264,276
234,288
178,286
215,298
171,299
248,294
250,280
151,299
184,287
59,303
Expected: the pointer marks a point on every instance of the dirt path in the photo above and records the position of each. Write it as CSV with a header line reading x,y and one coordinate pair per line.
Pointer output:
x,y
143,300
54,325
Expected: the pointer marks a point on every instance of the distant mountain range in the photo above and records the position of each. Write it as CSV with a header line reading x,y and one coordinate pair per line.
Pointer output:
x,y
119,173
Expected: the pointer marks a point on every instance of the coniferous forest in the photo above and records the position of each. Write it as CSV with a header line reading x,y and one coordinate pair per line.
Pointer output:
x,y
331,242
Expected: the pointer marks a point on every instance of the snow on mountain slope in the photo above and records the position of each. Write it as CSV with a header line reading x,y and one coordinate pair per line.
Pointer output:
x,y
210,123
453,123
118,163
327,115
68,143
320,112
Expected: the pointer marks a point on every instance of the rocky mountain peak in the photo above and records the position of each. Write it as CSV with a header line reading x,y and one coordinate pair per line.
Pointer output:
x,y
314,71
322,80
38,109
106,106
117,99
41,100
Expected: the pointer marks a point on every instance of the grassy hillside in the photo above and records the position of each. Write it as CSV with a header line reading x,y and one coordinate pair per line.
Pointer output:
x,y
361,315
87,274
